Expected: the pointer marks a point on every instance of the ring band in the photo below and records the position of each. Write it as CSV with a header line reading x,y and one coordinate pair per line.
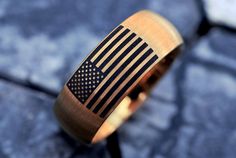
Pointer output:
x,y
117,76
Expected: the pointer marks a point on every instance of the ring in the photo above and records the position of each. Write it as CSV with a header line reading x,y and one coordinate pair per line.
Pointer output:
x,y
117,76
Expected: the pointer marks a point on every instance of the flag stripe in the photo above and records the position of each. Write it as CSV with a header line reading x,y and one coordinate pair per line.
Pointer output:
x,y
129,84
121,52
113,48
119,70
126,80
126,52
117,50
119,82
113,33
107,44
119,64
107,76
111,45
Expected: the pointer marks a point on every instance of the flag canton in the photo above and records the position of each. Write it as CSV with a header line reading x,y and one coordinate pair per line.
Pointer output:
x,y
85,80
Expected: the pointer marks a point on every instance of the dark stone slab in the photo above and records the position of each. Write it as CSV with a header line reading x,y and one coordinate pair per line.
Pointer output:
x,y
29,130
58,17
218,47
142,132
43,42
209,114
27,124
207,122
40,59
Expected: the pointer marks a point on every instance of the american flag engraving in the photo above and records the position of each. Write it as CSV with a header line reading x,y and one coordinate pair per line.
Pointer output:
x,y
114,66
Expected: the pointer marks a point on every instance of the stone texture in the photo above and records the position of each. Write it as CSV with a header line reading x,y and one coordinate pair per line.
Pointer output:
x,y
47,40
26,120
143,131
218,47
191,113
29,130
221,12
208,121
40,59
209,116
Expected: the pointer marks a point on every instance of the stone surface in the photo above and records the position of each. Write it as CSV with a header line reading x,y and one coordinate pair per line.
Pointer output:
x,y
143,131
40,59
209,117
191,113
29,130
207,126
221,12
43,42
218,47
25,121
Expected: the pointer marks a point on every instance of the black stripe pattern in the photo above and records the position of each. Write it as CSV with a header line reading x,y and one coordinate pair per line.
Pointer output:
x,y
124,89
112,34
111,45
89,76
127,73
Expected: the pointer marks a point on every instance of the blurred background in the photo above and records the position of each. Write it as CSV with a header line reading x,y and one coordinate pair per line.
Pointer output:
x,y
190,114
